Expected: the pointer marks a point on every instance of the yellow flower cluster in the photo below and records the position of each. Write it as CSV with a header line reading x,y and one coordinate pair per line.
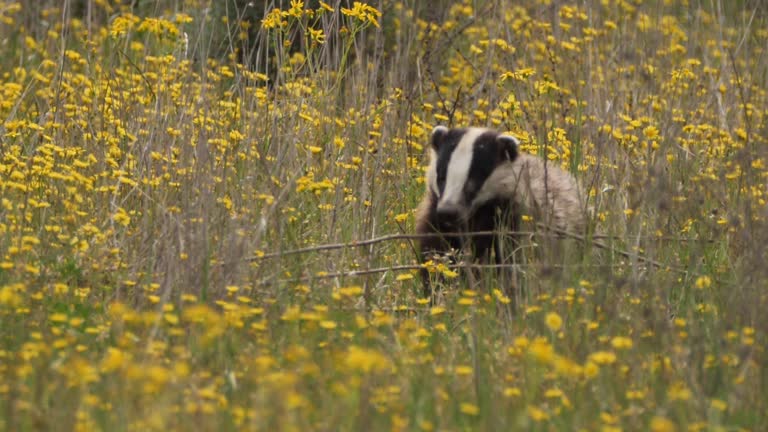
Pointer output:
x,y
188,197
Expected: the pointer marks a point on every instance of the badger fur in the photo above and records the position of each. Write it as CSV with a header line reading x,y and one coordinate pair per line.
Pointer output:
x,y
477,180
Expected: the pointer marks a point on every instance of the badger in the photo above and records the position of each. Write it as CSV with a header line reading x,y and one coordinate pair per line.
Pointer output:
x,y
477,180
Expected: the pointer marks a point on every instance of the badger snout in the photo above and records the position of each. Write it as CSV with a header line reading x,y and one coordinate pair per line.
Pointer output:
x,y
449,214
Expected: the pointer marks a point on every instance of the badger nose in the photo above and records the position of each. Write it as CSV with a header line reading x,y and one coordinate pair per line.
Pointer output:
x,y
448,214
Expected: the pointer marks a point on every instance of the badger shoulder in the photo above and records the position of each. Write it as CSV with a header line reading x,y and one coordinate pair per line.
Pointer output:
x,y
549,193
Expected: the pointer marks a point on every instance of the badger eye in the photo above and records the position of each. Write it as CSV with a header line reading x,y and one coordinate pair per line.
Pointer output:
x,y
470,187
440,178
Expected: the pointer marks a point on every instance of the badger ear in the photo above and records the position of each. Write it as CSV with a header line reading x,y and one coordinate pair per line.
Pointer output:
x,y
437,136
508,146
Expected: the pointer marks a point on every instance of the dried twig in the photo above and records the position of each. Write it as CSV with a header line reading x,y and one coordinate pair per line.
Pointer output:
x,y
546,230
392,237
408,267
371,241
604,246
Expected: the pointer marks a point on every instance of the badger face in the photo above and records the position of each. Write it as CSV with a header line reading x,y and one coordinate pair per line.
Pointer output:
x,y
461,160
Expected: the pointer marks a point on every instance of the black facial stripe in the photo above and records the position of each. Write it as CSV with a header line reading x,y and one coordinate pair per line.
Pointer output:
x,y
444,152
443,158
485,159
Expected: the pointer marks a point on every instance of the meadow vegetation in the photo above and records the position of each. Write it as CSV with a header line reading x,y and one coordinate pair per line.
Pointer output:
x,y
162,162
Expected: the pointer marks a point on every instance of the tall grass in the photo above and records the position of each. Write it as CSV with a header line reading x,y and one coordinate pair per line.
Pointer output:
x,y
160,158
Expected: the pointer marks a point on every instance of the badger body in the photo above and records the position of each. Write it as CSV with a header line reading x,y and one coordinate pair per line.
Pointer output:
x,y
477,180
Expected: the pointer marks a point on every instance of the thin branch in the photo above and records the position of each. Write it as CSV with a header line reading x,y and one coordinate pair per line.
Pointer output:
x,y
610,248
408,267
392,237
368,242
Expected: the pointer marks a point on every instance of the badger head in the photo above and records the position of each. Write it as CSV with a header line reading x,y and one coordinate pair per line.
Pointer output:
x,y
461,160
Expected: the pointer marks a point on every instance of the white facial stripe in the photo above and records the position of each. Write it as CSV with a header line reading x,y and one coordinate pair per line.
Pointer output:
x,y
432,173
458,167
